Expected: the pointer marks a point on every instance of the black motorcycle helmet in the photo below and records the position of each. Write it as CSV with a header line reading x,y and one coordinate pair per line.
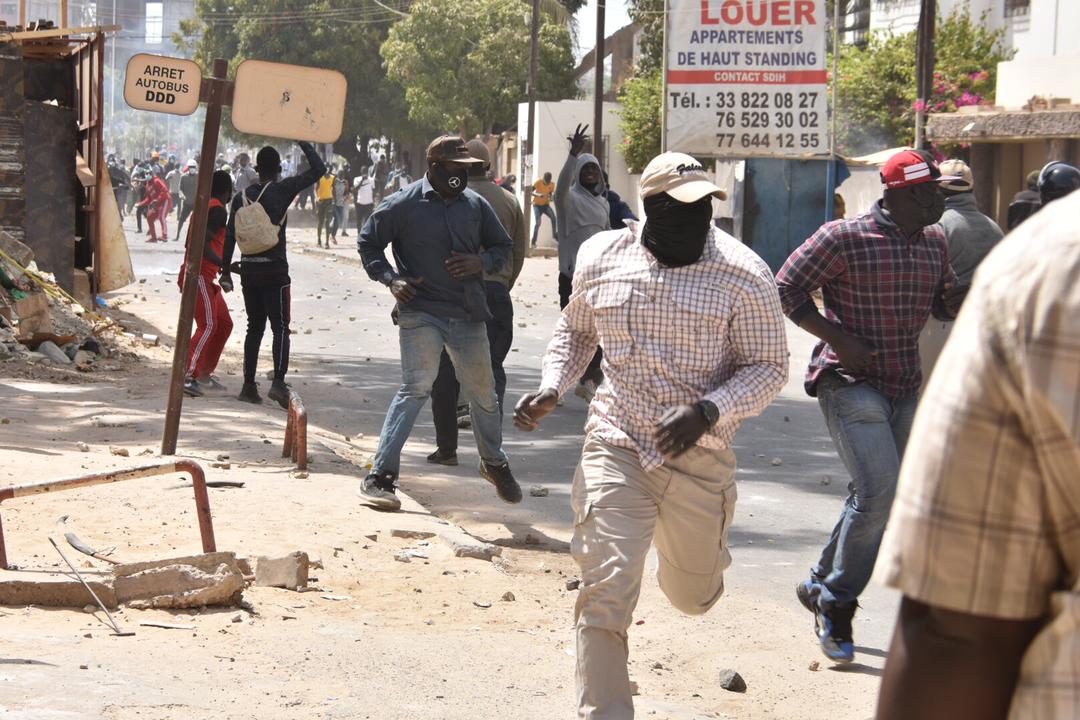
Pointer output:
x,y
1057,180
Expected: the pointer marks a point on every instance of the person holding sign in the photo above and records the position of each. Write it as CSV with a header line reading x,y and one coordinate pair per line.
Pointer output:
x,y
693,338
882,274
264,275
445,239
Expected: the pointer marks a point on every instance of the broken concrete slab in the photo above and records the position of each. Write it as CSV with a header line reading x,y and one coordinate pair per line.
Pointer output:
x,y
412,534
466,546
17,251
185,582
53,590
289,572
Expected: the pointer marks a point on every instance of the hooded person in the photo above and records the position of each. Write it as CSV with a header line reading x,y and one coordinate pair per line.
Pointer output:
x,y
581,204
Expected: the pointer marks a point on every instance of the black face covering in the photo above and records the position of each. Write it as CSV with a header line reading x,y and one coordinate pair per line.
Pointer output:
x,y
675,232
449,182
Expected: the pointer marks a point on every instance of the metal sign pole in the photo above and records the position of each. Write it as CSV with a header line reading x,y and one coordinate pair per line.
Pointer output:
x,y
830,182
215,91
663,91
598,86
528,174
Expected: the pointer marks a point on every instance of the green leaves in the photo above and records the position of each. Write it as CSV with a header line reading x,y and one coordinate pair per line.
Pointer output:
x,y
642,101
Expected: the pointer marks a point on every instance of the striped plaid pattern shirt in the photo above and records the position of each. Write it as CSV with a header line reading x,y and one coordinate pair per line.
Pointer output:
x,y
712,330
987,516
878,285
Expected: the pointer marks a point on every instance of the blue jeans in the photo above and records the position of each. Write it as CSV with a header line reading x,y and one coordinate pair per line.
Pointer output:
x,y
423,338
870,432
538,212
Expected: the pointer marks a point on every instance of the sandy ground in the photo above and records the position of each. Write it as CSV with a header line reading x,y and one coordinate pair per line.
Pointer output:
x,y
379,638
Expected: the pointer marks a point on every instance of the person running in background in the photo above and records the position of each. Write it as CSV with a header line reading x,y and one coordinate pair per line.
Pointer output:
x,y
341,205
121,184
882,275
324,196
971,236
583,211
364,193
444,237
1026,202
265,277
500,328
140,178
380,175
172,179
213,325
158,203
543,190
189,187
983,540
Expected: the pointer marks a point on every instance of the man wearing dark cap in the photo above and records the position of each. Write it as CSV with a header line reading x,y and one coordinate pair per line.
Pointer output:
x,y
445,238
694,344
500,328
882,274
265,277
1025,203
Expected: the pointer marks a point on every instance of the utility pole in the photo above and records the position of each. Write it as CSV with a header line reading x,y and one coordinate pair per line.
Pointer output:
x,y
598,92
924,67
528,174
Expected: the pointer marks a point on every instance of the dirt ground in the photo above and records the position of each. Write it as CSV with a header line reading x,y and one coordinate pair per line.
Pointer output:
x,y
375,638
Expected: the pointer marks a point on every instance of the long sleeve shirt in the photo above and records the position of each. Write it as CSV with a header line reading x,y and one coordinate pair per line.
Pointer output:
x,y
879,286
513,221
424,229
711,331
276,201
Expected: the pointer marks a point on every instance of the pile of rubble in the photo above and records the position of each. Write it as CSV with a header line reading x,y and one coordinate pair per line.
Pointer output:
x,y
41,324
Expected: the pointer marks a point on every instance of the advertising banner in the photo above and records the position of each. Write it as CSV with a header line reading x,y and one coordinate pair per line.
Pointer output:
x,y
746,78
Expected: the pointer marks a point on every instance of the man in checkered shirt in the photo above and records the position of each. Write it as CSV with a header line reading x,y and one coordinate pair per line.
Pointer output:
x,y
693,337
882,274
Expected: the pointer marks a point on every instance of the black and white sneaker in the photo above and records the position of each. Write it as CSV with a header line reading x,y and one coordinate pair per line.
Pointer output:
x,y
377,491
506,487
192,388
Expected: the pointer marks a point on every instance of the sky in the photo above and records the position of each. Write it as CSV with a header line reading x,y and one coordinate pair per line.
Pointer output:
x,y
615,18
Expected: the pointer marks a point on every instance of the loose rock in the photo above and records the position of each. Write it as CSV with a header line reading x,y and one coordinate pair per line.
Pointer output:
x,y
83,447
732,681
290,572
538,491
573,584
412,534
462,545
508,597
777,462
120,451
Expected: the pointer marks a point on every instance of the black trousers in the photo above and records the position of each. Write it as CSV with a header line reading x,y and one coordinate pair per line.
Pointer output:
x,y
267,296
444,393
593,372
185,212
363,212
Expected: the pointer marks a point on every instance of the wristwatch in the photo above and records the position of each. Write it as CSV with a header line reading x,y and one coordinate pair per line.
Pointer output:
x,y
709,410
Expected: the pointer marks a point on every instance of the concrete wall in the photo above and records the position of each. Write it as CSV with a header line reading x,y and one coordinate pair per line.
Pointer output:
x,y
1019,80
555,121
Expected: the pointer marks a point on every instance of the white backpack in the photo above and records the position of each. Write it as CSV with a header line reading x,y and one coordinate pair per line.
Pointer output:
x,y
255,233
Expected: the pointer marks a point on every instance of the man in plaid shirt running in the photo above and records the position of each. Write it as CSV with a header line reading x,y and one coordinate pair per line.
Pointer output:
x,y
882,274
693,339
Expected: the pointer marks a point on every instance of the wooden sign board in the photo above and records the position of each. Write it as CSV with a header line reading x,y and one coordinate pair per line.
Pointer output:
x,y
289,101
162,84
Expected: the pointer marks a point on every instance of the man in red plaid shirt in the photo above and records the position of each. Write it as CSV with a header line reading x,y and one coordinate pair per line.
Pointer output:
x,y
882,274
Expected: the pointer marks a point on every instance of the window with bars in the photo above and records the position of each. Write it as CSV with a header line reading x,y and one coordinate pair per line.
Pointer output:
x,y
1014,8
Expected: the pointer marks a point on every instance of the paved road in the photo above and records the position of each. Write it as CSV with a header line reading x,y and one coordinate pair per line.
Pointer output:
x,y
346,365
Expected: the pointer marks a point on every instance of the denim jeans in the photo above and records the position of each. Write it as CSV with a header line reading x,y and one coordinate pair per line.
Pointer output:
x,y
870,432
423,338
444,393
538,212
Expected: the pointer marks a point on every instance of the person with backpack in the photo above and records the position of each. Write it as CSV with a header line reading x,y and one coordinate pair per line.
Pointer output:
x,y
257,225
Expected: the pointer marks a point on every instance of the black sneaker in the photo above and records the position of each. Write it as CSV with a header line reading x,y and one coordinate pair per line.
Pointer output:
x,y
279,393
377,490
250,393
443,457
834,632
191,388
506,487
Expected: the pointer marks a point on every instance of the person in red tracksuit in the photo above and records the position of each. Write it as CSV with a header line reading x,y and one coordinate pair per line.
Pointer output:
x,y
213,325
158,200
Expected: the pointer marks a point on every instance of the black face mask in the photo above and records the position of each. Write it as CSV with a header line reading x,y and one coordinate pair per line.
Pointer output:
x,y
448,182
675,232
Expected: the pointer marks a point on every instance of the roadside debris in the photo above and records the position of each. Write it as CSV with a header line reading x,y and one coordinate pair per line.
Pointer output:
x,y
184,582
732,681
289,572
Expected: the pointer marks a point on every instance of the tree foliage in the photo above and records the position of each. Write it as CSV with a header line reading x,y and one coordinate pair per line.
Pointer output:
x,y
878,85
343,35
642,95
464,65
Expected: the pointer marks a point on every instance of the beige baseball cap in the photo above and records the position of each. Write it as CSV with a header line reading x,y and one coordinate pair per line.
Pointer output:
x,y
680,176
957,176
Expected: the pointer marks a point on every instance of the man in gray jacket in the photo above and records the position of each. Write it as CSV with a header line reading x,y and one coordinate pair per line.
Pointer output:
x,y
971,236
583,211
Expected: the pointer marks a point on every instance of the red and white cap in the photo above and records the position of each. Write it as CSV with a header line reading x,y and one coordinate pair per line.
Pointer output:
x,y
911,167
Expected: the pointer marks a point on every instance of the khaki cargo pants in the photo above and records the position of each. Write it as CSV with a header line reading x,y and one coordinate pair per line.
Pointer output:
x,y
687,506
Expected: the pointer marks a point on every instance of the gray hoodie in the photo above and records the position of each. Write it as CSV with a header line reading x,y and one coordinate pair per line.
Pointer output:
x,y
970,234
581,214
